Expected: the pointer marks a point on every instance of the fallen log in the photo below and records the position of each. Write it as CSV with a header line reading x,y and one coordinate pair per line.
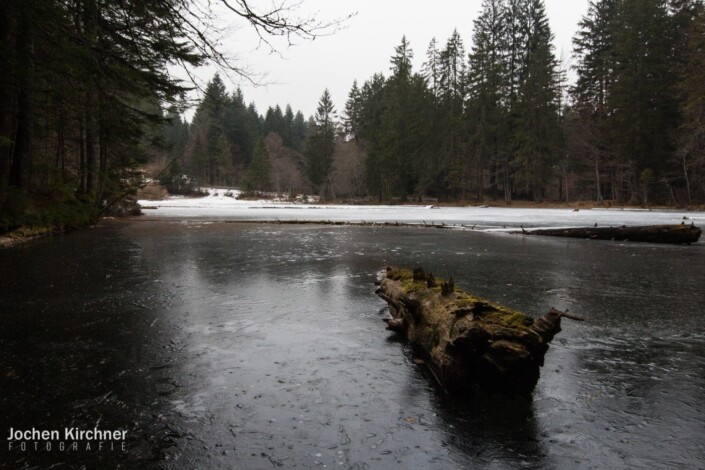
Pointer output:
x,y
468,342
674,234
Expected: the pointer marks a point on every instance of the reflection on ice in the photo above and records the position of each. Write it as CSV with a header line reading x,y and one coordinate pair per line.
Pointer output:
x,y
257,346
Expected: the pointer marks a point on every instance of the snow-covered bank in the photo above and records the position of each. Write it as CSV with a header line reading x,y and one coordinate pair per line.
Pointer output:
x,y
218,206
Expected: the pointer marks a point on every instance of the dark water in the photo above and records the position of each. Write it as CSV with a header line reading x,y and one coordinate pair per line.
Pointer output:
x,y
246,346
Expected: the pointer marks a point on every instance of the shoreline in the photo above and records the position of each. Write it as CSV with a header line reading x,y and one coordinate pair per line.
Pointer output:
x,y
26,234
273,198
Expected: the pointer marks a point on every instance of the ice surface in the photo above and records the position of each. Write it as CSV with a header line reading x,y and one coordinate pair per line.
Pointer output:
x,y
218,206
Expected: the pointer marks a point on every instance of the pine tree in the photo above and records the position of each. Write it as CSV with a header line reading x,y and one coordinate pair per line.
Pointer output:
x,y
258,175
321,145
274,121
451,97
690,157
537,110
209,125
371,108
288,126
397,150
430,68
593,53
516,45
241,130
641,100
351,121
83,85
487,79
175,134
299,131
595,65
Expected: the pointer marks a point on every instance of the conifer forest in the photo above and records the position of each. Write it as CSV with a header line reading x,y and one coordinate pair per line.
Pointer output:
x,y
315,234
87,101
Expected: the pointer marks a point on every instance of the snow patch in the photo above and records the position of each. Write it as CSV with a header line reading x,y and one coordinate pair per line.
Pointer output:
x,y
222,204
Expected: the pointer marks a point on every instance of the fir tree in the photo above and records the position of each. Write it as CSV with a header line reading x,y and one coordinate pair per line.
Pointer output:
x,y
690,157
430,69
396,152
641,100
537,111
451,97
351,121
210,126
321,145
83,85
299,131
486,85
595,65
371,108
258,175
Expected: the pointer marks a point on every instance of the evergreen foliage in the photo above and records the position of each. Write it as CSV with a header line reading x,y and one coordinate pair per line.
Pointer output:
x,y
84,86
634,58
258,176
223,146
688,163
467,124
499,122
86,99
321,145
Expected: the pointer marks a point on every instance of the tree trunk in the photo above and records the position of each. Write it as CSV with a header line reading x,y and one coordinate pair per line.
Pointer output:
x,y
598,181
8,96
20,169
507,183
673,234
479,182
91,155
685,175
90,32
103,157
467,342
61,144
82,156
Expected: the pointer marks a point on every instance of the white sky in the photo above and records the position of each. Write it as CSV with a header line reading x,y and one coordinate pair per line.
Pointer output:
x,y
299,74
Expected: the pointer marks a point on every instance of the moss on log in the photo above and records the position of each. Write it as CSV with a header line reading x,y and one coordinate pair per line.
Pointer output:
x,y
468,342
674,234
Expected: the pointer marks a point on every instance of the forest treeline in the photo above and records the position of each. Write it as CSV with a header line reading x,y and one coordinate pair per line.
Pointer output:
x,y
499,120
87,92
228,143
86,98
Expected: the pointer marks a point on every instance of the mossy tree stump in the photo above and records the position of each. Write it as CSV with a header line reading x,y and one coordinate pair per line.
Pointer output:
x,y
467,341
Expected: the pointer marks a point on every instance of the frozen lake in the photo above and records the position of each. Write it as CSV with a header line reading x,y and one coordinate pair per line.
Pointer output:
x,y
258,346
219,207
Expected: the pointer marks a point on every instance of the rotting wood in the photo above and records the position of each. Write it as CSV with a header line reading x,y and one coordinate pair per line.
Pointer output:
x,y
673,234
467,342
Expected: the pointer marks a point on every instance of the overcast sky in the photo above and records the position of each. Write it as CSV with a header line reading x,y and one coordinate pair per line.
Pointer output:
x,y
299,74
